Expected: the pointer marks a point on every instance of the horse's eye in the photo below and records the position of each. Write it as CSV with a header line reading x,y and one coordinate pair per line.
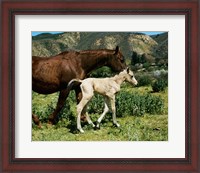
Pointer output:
x,y
122,59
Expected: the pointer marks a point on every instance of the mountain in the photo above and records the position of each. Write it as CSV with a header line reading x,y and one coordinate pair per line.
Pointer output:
x,y
162,48
52,44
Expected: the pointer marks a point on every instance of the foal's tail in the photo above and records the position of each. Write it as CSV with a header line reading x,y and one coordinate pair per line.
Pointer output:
x,y
73,82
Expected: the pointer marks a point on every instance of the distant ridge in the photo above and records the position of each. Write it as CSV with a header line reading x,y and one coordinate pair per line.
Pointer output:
x,y
47,44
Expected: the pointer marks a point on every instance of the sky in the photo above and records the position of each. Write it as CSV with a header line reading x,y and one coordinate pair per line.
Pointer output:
x,y
147,33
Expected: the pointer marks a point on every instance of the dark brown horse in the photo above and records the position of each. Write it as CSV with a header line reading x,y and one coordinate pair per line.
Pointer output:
x,y
52,74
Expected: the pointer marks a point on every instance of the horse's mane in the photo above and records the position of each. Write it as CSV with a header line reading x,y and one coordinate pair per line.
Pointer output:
x,y
96,51
65,52
86,51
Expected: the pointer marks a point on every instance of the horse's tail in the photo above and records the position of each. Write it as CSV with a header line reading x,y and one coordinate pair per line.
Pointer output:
x,y
73,82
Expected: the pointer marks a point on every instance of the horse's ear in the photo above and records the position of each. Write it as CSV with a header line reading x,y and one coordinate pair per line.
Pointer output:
x,y
117,50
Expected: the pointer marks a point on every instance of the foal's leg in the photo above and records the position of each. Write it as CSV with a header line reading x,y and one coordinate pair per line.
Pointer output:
x,y
80,108
87,93
112,101
106,110
89,120
53,118
78,99
87,116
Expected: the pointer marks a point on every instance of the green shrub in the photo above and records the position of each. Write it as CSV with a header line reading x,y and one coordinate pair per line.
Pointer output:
x,y
96,105
159,85
154,104
144,80
101,72
43,105
129,104
126,104
136,104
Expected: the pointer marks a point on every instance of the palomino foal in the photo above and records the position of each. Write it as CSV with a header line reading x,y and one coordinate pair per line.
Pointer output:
x,y
107,87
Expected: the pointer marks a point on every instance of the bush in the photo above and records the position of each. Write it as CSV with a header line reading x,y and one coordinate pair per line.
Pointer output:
x,y
43,105
129,104
159,85
96,105
144,80
101,72
136,104
126,104
161,80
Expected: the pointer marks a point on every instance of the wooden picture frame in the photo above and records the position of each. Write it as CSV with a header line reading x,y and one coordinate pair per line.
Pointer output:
x,y
11,8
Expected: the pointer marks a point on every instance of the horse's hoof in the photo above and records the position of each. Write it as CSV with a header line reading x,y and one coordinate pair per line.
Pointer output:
x,y
49,122
40,125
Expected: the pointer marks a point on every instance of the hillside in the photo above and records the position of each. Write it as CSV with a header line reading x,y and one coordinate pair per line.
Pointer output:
x,y
139,49
51,44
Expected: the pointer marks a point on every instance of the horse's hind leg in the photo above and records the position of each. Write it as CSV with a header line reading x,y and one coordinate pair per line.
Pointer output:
x,y
36,120
53,118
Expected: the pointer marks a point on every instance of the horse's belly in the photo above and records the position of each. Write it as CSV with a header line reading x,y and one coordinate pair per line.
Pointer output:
x,y
44,87
46,76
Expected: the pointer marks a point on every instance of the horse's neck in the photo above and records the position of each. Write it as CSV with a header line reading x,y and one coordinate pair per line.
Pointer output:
x,y
93,61
119,79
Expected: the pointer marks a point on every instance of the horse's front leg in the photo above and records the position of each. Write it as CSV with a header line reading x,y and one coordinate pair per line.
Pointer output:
x,y
112,101
53,118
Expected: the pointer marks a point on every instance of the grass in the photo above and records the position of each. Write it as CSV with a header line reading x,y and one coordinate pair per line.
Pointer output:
x,y
145,128
132,128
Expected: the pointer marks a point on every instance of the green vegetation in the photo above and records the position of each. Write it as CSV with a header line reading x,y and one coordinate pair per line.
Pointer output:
x,y
159,85
144,80
141,114
133,128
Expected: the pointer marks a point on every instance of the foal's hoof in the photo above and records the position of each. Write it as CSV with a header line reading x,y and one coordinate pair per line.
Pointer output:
x,y
97,126
116,125
81,130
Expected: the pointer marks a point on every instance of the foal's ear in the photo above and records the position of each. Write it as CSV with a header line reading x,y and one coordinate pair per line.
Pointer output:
x,y
127,69
117,50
